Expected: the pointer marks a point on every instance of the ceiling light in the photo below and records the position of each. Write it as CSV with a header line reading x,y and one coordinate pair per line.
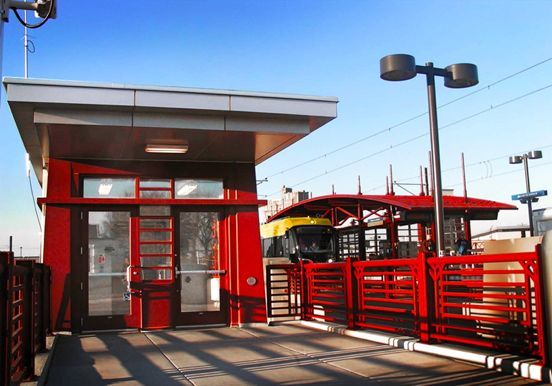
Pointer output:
x,y
167,149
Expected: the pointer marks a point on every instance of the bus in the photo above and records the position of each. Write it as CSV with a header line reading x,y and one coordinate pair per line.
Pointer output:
x,y
293,239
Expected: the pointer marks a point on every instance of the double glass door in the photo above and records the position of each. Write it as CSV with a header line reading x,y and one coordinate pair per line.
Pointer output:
x,y
154,267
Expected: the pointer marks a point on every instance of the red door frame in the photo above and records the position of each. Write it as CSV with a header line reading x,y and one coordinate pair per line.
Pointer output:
x,y
151,300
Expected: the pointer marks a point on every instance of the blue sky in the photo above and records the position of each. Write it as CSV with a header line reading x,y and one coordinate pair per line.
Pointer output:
x,y
316,47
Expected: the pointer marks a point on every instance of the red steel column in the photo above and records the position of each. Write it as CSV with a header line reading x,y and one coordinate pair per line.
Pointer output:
x,y
351,294
250,281
542,327
425,298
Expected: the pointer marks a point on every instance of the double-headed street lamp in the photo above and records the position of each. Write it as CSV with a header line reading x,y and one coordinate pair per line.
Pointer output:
x,y
517,159
403,67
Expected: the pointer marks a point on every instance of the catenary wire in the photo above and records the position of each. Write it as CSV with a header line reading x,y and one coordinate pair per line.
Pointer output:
x,y
518,170
390,147
475,163
34,204
386,130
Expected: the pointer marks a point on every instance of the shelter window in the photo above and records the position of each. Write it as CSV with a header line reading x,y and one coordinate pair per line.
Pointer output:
x,y
155,188
109,188
186,188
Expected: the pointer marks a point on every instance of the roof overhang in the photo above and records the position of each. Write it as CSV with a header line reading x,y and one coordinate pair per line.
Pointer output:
x,y
77,120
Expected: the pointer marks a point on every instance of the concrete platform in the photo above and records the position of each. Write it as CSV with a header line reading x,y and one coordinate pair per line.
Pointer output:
x,y
277,355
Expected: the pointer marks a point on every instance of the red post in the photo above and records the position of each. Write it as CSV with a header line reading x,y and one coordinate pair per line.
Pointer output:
x,y
5,258
351,294
28,320
539,306
425,298
304,290
46,298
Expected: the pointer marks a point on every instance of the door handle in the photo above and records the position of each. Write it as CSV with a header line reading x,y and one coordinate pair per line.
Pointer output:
x,y
205,272
128,274
128,278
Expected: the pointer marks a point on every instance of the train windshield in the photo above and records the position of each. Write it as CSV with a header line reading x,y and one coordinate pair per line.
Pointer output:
x,y
314,239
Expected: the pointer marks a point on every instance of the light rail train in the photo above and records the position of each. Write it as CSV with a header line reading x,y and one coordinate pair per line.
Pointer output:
x,y
293,239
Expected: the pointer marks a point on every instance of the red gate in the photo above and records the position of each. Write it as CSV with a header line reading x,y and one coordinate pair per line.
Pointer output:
x,y
326,287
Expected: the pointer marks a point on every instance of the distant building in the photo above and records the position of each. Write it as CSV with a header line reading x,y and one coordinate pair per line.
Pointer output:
x,y
288,197
542,221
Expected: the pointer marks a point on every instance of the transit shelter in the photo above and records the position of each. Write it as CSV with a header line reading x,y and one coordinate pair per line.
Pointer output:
x,y
390,226
149,197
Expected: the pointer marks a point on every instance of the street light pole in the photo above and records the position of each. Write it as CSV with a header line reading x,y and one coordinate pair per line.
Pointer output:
x,y
517,159
403,67
528,189
436,161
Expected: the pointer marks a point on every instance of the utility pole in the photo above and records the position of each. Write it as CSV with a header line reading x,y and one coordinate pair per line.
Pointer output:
x,y
26,47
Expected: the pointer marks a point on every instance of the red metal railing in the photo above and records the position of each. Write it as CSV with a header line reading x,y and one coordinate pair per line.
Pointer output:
x,y
24,299
387,295
325,291
491,301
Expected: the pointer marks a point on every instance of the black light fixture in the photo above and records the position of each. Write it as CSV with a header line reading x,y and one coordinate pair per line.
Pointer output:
x,y
403,67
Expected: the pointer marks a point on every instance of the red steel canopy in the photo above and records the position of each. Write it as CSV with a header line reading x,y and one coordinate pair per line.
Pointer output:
x,y
410,208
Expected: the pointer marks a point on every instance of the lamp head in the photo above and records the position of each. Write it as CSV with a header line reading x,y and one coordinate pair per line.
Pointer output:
x,y
516,159
535,154
397,67
462,75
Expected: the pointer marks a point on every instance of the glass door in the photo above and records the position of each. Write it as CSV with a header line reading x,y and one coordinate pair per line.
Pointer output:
x,y
105,287
201,272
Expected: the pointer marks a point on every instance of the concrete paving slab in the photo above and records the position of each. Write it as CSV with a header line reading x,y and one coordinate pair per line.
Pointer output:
x,y
260,355
111,359
397,366
244,359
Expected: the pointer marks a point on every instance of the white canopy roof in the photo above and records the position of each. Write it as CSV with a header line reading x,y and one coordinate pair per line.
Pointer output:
x,y
78,120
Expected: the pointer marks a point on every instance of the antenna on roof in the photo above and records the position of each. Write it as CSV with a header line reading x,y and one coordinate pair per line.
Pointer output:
x,y
333,189
386,185
26,46
359,186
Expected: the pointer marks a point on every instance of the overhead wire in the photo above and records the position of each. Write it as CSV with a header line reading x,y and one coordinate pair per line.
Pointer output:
x,y
518,170
34,205
475,163
393,146
388,129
